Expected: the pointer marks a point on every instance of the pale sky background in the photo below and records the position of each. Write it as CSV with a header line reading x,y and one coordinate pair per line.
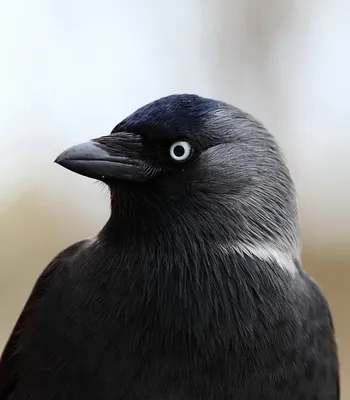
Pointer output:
x,y
71,70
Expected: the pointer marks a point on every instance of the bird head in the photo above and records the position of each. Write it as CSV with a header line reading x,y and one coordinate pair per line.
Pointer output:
x,y
201,162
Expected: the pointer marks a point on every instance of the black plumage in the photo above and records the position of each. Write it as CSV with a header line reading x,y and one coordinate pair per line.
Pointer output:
x,y
194,289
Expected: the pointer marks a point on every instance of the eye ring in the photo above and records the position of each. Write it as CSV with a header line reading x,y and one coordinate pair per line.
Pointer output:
x,y
180,151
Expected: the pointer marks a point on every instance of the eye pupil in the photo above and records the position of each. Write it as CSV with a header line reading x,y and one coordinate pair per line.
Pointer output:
x,y
179,151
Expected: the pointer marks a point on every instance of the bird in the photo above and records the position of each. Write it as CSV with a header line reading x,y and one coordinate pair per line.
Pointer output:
x,y
194,288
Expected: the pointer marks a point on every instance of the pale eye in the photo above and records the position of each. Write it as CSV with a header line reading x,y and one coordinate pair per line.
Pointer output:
x,y
180,151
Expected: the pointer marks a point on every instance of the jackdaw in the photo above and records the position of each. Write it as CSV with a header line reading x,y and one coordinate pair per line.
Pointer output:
x,y
194,288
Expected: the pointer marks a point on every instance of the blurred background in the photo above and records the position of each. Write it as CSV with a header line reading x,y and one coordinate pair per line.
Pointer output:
x,y
70,70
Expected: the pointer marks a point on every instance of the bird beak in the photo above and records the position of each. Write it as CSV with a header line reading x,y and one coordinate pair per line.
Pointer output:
x,y
97,161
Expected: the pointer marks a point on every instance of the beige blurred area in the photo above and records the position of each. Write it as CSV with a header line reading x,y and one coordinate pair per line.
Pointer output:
x,y
71,70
